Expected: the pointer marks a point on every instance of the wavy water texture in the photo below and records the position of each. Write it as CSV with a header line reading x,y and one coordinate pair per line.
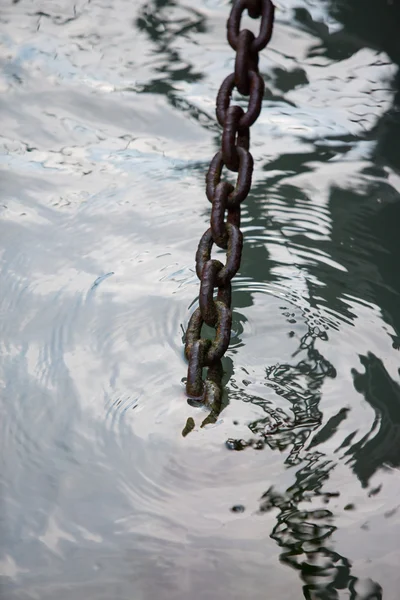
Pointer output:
x,y
108,125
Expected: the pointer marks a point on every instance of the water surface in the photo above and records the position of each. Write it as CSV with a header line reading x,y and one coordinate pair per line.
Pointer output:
x,y
108,126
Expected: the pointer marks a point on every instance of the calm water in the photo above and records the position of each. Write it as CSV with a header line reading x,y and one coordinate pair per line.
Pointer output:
x,y
108,125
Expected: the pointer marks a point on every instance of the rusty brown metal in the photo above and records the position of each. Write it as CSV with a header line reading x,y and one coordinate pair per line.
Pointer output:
x,y
263,8
205,372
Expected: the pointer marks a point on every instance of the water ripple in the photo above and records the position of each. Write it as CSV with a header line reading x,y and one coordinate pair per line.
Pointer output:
x,y
108,128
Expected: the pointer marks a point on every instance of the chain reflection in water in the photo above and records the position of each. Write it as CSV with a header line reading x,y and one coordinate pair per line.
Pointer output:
x,y
156,21
301,385
303,535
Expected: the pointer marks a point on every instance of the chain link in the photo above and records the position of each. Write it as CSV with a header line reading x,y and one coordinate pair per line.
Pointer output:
x,y
215,310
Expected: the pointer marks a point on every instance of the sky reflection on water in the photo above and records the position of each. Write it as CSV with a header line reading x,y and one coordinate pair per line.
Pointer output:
x,y
108,129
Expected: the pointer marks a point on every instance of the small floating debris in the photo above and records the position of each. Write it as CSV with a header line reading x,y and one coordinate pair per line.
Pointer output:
x,y
188,427
238,508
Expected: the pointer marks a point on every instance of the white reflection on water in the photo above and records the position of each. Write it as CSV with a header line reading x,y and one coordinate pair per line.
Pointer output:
x,y
108,126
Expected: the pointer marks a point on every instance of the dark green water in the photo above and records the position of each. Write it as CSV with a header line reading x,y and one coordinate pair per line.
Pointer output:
x,y
108,126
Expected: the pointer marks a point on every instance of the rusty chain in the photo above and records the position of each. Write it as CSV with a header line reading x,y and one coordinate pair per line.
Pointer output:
x,y
226,199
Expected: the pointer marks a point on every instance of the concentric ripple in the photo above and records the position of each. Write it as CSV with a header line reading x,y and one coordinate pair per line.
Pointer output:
x,y
108,125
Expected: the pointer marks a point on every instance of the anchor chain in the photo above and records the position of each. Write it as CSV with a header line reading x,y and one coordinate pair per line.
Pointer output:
x,y
224,231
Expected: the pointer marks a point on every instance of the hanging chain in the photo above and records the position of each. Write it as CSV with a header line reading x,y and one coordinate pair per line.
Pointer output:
x,y
225,199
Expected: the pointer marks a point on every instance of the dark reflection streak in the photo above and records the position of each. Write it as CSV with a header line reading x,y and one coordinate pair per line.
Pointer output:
x,y
383,394
303,535
164,32
330,428
301,386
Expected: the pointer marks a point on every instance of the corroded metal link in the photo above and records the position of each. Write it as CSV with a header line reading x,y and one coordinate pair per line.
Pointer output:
x,y
206,297
246,61
218,226
266,11
243,184
210,392
233,255
209,354
255,99
225,294
204,355
213,387
234,133
196,356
